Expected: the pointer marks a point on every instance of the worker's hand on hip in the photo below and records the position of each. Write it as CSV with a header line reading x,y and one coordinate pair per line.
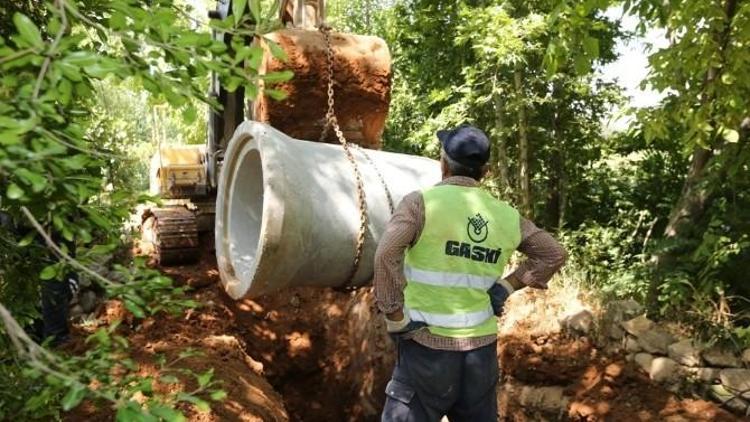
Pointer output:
x,y
499,293
396,329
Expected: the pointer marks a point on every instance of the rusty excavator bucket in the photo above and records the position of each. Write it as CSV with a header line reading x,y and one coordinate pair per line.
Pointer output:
x,y
361,85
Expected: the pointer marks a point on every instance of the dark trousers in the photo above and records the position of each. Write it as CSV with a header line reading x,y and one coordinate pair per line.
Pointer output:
x,y
428,384
56,296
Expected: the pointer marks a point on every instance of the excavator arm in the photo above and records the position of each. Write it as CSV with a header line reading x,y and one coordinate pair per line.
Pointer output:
x,y
358,68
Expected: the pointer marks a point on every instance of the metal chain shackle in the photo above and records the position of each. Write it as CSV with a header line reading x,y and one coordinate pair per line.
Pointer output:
x,y
332,122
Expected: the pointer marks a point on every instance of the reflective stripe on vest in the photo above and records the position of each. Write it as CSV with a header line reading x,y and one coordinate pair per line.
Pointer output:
x,y
452,320
437,278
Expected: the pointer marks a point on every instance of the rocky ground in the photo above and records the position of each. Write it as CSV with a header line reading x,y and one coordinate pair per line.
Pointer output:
x,y
321,355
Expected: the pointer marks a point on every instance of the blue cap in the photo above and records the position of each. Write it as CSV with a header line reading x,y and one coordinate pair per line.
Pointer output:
x,y
466,145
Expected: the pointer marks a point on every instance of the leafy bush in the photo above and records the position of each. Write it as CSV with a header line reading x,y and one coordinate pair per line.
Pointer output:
x,y
66,189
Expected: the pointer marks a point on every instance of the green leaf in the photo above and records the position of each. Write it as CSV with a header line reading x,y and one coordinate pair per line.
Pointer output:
x,y
581,64
131,412
238,10
205,378
65,89
135,309
275,77
102,69
74,397
14,192
53,26
255,10
169,415
256,57
26,241
145,386
81,58
276,94
218,395
200,404
49,272
591,47
251,91
189,114
117,20
37,181
28,31
276,50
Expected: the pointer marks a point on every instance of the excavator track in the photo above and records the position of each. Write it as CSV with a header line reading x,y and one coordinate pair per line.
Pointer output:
x,y
172,235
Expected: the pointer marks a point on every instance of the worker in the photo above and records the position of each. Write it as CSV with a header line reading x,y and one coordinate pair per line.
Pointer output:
x,y
438,280
55,295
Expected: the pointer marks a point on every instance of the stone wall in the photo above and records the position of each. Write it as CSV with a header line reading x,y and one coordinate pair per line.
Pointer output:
x,y
680,363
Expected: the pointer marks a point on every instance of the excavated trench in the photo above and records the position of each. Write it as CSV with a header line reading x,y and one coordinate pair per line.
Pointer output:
x,y
326,354
311,354
322,350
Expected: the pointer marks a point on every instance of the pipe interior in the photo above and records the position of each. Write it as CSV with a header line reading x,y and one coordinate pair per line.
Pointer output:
x,y
245,215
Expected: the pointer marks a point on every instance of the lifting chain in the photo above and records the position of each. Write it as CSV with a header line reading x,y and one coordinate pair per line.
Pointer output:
x,y
331,122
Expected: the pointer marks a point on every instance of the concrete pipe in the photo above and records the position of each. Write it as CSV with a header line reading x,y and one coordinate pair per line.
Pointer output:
x,y
287,214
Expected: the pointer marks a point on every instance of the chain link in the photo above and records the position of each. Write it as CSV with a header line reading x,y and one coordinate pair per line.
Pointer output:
x,y
388,196
332,122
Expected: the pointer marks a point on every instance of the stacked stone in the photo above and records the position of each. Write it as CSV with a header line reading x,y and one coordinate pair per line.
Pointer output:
x,y
674,361
667,359
86,300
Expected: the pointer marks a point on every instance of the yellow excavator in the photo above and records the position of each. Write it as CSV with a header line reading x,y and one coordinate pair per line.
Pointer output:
x,y
351,73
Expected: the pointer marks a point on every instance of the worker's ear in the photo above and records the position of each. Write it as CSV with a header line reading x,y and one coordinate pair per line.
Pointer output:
x,y
485,169
446,171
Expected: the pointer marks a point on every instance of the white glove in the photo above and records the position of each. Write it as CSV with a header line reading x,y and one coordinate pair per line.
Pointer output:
x,y
397,326
505,283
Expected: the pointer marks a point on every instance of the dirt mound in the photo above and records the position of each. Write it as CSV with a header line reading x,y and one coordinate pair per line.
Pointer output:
x,y
362,75
210,330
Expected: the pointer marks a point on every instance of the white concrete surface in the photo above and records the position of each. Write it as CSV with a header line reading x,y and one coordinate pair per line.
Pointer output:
x,y
287,215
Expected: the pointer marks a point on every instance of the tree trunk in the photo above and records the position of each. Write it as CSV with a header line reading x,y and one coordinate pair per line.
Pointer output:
x,y
501,153
557,189
524,188
562,181
692,201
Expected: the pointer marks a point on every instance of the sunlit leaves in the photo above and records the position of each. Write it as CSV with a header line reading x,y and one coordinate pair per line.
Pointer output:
x,y
275,77
76,393
276,50
28,32
14,191
238,10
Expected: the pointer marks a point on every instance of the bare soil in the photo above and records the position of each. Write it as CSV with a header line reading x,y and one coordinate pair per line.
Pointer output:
x,y
322,355
602,387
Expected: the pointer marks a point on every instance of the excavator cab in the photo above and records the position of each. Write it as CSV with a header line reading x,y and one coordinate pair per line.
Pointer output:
x,y
185,177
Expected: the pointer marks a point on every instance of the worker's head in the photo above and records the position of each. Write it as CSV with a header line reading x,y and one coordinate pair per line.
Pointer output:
x,y
465,152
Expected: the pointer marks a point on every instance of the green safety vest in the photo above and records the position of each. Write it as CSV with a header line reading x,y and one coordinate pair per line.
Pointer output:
x,y
467,239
